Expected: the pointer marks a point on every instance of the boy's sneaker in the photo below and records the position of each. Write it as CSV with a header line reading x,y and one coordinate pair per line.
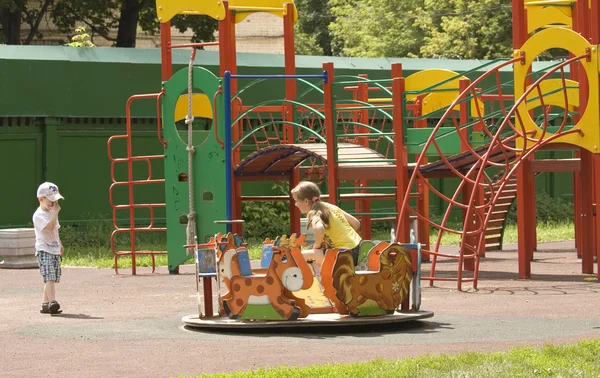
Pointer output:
x,y
45,309
54,308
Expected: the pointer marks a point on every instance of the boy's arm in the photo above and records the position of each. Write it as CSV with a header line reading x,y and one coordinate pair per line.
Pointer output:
x,y
53,218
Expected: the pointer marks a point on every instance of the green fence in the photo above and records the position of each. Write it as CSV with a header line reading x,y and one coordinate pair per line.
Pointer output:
x,y
59,106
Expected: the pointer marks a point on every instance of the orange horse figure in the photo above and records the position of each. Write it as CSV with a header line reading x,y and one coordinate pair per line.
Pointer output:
x,y
380,290
287,272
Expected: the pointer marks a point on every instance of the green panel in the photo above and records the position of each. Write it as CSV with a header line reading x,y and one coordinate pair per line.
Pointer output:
x,y
208,163
448,141
22,152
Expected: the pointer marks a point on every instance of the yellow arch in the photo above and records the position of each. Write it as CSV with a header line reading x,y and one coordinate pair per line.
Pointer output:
x,y
556,98
201,107
576,44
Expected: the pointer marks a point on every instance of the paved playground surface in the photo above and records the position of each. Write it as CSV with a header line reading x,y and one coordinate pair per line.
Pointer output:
x,y
130,326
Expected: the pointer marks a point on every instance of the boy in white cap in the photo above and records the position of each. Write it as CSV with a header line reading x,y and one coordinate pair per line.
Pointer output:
x,y
48,247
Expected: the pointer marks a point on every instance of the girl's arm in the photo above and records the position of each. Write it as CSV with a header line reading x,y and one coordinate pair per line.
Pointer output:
x,y
354,223
317,226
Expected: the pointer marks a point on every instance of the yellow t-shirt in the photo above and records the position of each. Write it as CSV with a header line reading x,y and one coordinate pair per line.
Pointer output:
x,y
340,233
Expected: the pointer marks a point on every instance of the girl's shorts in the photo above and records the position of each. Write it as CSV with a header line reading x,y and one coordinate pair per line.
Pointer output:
x,y
49,266
355,251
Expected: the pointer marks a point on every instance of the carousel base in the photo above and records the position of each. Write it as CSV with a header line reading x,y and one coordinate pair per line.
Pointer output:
x,y
311,321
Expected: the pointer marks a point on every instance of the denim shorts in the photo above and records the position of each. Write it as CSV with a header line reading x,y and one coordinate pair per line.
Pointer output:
x,y
355,251
49,266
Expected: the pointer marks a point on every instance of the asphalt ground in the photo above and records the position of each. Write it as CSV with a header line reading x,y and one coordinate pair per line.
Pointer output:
x,y
130,326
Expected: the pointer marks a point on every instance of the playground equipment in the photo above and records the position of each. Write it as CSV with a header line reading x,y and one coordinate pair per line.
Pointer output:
x,y
286,291
370,140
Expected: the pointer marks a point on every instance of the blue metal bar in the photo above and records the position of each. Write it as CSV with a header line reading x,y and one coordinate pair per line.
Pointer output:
x,y
228,168
314,76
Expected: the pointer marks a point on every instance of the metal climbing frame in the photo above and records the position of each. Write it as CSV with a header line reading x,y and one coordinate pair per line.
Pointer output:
x,y
132,228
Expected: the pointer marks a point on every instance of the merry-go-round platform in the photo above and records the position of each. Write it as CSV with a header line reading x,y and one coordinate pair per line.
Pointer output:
x,y
311,321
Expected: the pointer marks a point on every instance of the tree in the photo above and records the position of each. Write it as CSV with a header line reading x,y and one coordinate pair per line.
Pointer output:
x,y
13,13
376,28
312,28
466,29
100,16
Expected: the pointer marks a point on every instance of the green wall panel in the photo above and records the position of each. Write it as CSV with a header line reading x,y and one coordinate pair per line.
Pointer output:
x,y
21,170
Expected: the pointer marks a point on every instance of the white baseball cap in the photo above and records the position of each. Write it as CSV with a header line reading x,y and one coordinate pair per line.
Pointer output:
x,y
50,191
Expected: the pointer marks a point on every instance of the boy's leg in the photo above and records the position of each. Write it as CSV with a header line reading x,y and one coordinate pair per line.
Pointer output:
x,y
50,271
49,291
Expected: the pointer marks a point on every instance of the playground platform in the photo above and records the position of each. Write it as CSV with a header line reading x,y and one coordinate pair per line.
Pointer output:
x,y
130,326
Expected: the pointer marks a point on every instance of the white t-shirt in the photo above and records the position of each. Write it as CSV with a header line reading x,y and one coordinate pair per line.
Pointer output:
x,y
47,241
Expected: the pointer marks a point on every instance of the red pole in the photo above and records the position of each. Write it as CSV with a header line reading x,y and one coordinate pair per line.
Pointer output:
x,y
290,94
467,190
519,23
403,226
330,134
364,205
524,252
165,51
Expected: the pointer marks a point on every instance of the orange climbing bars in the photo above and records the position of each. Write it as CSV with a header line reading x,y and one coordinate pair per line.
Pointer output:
x,y
132,229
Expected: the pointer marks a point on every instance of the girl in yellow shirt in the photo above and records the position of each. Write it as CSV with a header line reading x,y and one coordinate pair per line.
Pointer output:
x,y
333,227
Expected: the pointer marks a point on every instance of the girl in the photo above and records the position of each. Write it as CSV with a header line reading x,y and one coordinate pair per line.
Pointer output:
x,y
333,227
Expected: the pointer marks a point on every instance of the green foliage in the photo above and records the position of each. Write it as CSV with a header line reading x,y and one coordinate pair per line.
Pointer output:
x,y
376,28
95,231
548,210
312,28
267,219
466,29
81,38
463,29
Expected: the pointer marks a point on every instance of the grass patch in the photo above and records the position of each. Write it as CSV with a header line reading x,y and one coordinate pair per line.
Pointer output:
x,y
545,232
577,360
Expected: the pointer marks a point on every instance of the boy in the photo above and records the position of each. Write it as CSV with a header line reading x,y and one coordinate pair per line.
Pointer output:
x,y
48,247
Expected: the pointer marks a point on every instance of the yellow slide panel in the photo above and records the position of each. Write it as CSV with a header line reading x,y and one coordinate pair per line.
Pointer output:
x,y
167,9
437,100
244,8
542,14
577,45
201,107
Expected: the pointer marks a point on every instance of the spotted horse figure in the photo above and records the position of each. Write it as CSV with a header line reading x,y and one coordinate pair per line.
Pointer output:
x,y
269,296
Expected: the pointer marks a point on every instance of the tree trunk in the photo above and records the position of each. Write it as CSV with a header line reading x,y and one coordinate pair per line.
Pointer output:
x,y
11,26
35,26
128,22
